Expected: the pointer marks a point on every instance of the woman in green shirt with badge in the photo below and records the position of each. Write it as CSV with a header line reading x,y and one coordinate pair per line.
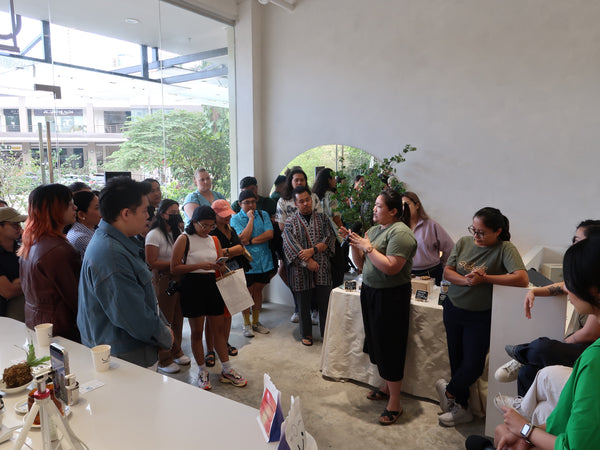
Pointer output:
x,y
385,257
475,264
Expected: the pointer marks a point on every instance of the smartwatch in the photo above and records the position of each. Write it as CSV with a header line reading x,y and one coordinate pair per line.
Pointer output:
x,y
526,432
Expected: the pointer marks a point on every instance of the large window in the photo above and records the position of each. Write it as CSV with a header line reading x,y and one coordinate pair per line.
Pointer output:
x,y
144,89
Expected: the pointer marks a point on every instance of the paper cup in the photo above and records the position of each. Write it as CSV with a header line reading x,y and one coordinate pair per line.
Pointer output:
x,y
101,357
43,331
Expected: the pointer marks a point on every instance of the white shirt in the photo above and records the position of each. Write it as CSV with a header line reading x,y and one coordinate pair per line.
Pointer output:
x,y
201,250
156,238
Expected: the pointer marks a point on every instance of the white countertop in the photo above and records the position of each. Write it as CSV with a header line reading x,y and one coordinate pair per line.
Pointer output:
x,y
136,408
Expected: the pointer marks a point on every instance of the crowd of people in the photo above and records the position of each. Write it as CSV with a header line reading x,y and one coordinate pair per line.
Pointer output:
x,y
122,267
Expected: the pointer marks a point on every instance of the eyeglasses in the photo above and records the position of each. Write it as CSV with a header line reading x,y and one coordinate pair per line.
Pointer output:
x,y
249,202
207,227
475,232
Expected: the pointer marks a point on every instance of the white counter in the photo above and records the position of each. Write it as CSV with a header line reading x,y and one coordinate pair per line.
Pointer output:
x,y
137,408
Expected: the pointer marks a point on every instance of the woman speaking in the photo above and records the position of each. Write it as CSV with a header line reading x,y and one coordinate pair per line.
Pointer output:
x,y
385,257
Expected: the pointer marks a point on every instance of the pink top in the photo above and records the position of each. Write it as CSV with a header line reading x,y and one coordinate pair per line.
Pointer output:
x,y
431,240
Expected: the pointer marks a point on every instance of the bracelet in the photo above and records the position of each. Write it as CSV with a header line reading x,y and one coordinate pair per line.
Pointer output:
x,y
227,252
315,249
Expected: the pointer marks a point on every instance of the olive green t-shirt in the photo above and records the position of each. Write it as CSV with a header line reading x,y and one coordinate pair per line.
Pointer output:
x,y
465,257
394,240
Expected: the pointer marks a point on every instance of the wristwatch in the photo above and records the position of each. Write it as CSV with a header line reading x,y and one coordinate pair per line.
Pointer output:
x,y
369,249
526,432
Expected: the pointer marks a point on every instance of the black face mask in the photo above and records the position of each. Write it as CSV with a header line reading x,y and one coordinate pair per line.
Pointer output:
x,y
174,220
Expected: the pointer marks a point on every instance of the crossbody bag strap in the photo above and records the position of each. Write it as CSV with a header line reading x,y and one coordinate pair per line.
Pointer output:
x,y
187,248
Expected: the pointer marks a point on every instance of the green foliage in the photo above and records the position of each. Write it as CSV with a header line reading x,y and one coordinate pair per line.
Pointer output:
x,y
31,360
356,205
175,144
329,156
17,179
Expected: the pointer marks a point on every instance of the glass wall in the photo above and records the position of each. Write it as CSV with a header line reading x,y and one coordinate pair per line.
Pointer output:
x,y
128,86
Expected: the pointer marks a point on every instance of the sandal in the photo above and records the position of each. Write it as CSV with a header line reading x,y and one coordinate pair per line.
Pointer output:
x,y
389,417
377,395
209,359
231,350
307,341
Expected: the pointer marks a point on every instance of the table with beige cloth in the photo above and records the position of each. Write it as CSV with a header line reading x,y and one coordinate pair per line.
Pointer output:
x,y
426,356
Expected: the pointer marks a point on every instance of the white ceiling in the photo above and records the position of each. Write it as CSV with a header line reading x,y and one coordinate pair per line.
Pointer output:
x,y
160,24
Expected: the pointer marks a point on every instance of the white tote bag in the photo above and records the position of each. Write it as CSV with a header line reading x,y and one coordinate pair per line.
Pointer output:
x,y
232,287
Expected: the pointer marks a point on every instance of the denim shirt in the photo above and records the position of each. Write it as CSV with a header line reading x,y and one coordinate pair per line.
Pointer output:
x,y
262,260
117,303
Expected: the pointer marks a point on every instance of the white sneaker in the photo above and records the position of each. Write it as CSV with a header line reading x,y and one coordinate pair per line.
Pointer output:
x,y
183,360
171,368
508,401
204,380
315,317
260,328
455,416
445,402
248,331
508,372
295,318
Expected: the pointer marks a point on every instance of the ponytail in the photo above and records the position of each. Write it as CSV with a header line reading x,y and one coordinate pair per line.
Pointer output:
x,y
495,220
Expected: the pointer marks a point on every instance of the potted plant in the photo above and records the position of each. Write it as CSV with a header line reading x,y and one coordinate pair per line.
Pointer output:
x,y
356,204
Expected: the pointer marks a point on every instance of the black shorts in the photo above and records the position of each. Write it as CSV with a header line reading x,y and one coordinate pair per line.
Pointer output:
x,y
200,295
263,278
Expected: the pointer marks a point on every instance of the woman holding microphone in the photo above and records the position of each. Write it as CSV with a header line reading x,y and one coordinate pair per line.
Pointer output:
x,y
385,257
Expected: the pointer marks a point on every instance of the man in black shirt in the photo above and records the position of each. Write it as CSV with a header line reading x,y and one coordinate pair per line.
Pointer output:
x,y
12,302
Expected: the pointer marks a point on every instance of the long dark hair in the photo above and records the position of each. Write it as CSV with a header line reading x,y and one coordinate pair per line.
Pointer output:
x,y
160,223
495,220
393,199
581,269
413,197
321,184
287,194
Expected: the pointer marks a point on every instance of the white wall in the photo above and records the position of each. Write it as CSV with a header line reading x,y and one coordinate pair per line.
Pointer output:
x,y
500,97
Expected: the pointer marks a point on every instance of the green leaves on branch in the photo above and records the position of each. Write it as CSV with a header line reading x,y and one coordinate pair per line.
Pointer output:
x,y
356,205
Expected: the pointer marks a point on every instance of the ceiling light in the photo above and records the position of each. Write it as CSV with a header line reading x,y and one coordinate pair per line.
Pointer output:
x,y
131,20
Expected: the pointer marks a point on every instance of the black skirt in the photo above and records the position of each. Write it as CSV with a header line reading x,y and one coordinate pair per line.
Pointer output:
x,y
200,295
385,316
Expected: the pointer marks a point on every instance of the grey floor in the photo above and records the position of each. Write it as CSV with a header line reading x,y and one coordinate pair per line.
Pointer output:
x,y
337,414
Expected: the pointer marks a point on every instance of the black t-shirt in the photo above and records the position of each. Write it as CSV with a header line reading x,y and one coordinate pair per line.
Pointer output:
x,y
9,267
237,261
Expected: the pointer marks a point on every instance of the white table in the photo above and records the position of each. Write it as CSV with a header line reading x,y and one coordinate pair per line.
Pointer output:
x,y
137,408
427,353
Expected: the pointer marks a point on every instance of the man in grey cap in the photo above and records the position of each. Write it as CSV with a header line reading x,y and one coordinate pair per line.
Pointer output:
x,y
12,301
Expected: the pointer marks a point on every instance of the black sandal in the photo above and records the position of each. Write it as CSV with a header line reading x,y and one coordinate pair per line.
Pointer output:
x,y
209,359
231,350
307,341
389,417
377,395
